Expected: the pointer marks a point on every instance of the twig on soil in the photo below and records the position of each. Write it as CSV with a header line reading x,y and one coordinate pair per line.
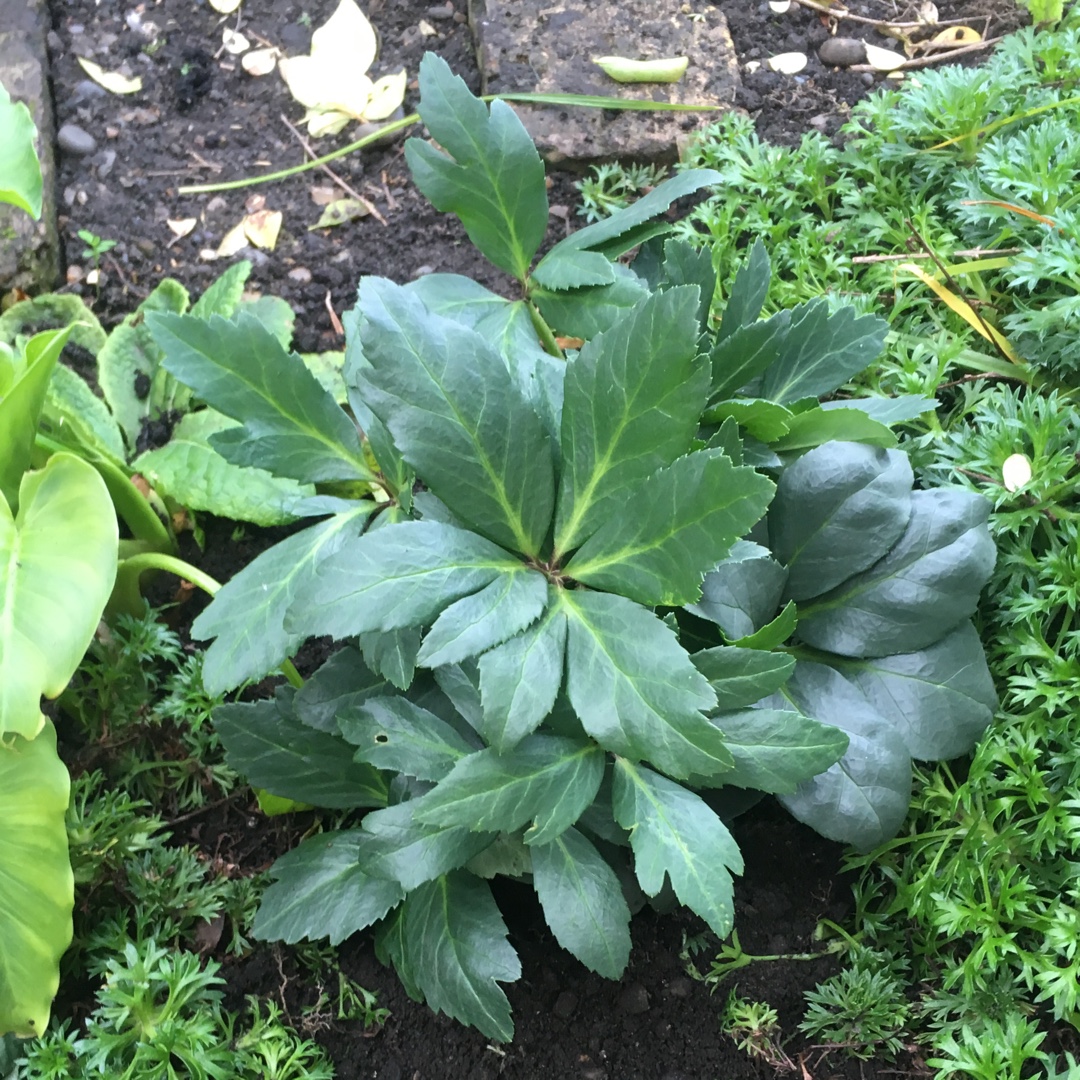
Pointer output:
x,y
843,13
200,810
338,328
971,253
925,61
368,205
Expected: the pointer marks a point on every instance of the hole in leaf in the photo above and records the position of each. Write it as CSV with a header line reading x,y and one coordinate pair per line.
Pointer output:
x,y
382,737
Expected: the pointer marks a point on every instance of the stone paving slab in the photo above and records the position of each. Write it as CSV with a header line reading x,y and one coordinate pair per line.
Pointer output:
x,y
547,46
29,250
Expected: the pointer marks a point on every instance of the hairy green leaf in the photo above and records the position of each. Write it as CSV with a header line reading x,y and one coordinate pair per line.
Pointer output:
x,y
75,416
674,832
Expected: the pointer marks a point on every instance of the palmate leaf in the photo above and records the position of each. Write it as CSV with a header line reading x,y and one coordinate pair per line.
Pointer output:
x,y
635,690
745,353
632,401
838,509
452,950
411,852
274,750
927,584
520,680
457,416
748,292
342,682
668,531
392,654
587,312
291,426
740,677
583,902
674,832
817,426
247,616
742,594
494,181
321,891
545,779
398,576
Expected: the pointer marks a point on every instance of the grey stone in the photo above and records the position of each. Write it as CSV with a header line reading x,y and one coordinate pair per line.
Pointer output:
x,y
548,46
842,52
86,90
441,11
634,999
29,250
565,1004
73,140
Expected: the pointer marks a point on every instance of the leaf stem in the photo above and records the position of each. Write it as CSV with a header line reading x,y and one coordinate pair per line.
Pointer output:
x,y
544,332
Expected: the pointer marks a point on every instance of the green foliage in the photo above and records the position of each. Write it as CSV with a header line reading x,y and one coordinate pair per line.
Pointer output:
x,y
613,187
20,173
538,680
755,1027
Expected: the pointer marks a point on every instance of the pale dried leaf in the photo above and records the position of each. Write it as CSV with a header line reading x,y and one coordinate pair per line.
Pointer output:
x,y
789,63
883,59
928,13
325,123
260,61
235,43
958,35
386,96
182,226
1015,472
426,28
323,196
113,81
339,212
225,7
262,228
232,242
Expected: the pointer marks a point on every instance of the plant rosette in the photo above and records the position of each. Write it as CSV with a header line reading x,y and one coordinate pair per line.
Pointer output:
x,y
514,554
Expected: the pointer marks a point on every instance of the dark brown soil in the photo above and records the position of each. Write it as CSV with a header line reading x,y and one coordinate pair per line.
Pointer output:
x,y
200,118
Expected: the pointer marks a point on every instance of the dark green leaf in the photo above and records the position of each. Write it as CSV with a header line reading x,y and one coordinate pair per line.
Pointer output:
x,y
838,509
520,680
392,654
748,292
668,531
772,634
589,311
742,676
292,426
741,356
321,891
344,680
822,351
775,750
390,949
224,293
406,851
927,584
764,420
632,402
687,265
817,426
402,575
634,688
457,416
887,410
456,950
457,297
395,734
461,684
272,749
574,268
940,700
512,602
545,779
274,313
742,594
674,832
583,903
494,180
247,616
863,798
726,438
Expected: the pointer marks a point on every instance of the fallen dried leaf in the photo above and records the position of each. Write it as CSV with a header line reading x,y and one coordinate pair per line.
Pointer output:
x,y
958,35
1015,472
260,61
225,7
113,81
182,226
339,212
235,43
232,242
789,63
883,59
262,228
323,196
426,28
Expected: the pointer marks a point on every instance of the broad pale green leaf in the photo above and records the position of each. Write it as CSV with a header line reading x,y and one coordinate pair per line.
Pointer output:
x,y
511,603
402,575
748,292
392,654
36,884
863,799
20,409
583,903
131,352
762,419
328,367
57,566
321,892
634,688
822,351
775,750
674,832
411,853
838,509
632,401
741,356
545,779
224,293
455,950
75,416
190,471
394,734
940,700
274,750
887,410
687,265
20,174
507,856
247,617
24,319
457,297
520,680
589,311
493,180
742,676
573,268
926,585
291,426
668,531
275,315
742,594
772,634
342,682
457,416
816,426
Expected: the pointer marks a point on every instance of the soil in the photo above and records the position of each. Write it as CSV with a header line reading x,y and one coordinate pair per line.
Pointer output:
x,y
200,118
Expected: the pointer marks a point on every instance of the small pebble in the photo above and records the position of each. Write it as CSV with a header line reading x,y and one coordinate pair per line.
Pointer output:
x,y
423,271
867,78
147,247
634,999
679,987
301,275
74,274
441,11
86,90
842,52
55,43
296,38
565,1004
104,162
74,140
